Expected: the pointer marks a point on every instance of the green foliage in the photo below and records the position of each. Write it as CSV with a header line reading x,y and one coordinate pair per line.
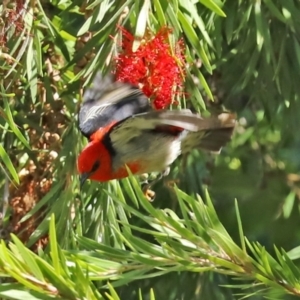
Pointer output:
x,y
198,242
107,241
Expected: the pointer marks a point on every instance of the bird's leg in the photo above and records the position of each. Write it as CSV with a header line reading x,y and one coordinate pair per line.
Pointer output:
x,y
146,185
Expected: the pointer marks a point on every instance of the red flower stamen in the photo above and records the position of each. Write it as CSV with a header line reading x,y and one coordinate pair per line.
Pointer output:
x,y
153,66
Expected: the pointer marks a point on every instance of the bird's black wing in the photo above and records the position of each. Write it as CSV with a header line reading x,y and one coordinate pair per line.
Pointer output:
x,y
108,101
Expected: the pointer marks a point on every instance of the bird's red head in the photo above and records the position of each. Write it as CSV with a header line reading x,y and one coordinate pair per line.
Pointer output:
x,y
94,162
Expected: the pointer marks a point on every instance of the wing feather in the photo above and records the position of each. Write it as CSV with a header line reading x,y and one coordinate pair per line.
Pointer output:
x,y
135,125
188,120
109,101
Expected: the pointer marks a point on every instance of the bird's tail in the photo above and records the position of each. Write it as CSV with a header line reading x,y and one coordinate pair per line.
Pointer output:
x,y
211,139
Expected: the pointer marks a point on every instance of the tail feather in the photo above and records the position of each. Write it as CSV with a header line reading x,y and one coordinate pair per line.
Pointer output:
x,y
210,140
214,140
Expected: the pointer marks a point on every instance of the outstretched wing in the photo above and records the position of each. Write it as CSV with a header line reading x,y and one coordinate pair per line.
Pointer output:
x,y
169,123
109,101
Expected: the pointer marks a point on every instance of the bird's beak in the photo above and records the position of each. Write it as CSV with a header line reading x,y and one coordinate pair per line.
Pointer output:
x,y
83,177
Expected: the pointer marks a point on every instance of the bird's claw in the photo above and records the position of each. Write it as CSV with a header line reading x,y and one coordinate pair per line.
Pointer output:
x,y
146,185
149,194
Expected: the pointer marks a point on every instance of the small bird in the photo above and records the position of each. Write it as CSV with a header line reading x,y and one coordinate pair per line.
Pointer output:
x,y
124,130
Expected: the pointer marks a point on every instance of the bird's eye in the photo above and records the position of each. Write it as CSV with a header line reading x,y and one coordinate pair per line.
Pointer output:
x,y
96,165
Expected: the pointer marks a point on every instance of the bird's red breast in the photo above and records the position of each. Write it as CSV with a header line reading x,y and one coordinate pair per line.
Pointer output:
x,y
97,151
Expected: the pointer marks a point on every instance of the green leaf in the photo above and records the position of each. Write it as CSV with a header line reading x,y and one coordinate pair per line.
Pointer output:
x,y
113,293
240,227
141,25
6,160
213,7
288,204
152,296
275,11
12,124
194,40
54,246
205,86
160,13
17,291
28,259
259,25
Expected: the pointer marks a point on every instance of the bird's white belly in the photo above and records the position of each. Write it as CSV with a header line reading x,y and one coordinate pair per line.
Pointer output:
x,y
152,152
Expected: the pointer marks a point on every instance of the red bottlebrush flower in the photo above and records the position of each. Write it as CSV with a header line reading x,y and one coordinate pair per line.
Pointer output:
x,y
154,66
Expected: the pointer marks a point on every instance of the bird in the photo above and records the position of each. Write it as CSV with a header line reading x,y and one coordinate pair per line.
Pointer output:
x,y
125,131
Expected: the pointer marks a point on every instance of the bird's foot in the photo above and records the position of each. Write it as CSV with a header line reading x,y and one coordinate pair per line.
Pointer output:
x,y
149,194
147,185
